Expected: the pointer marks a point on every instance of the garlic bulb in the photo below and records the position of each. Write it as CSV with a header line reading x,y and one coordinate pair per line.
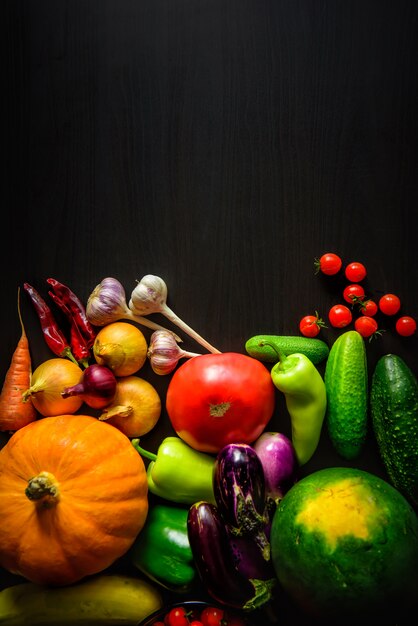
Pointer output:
x,y
164,353
107,304
150,296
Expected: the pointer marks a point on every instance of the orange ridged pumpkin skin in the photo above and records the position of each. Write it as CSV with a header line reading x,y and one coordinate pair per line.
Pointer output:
x,y
101,507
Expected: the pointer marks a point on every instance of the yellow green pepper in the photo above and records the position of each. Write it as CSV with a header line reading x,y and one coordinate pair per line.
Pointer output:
x,y
303,386
178,472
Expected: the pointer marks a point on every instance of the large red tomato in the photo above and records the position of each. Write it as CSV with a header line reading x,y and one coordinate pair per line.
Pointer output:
x,y
216,399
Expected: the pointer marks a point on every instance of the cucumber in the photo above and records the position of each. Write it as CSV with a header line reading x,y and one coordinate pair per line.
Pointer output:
x,y
315,349
104,600
394,413
346,384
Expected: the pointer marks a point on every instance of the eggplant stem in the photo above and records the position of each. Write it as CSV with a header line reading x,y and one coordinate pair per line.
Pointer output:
x,y
249,520
262,593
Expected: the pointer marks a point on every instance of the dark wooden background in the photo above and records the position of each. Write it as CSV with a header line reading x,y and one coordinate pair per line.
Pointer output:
x,y
219,144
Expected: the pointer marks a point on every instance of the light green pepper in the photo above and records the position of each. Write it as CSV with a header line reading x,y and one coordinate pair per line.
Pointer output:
x,y
178,472
306,400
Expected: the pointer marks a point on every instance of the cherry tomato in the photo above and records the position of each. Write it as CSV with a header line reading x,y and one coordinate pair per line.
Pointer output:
x,y
355,272
310,325
353,293
389,304
216,399
406,326
212,616
339,316
158,624
369,308
196,622
328,264
177,617
366,326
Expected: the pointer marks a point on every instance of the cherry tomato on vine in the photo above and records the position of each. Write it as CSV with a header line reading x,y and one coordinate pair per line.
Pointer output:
x,y
310,325
212,616
353,293
406,326
369,308
328,264
196,622
339,316
177,617
366,326
389,304
355,272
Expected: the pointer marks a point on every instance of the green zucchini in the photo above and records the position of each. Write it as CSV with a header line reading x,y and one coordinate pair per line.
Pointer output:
x,y
258,347
394,412
346,384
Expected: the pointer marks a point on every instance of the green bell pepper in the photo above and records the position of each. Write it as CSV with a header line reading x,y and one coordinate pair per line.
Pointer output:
x,y
162,551
306,400
178,472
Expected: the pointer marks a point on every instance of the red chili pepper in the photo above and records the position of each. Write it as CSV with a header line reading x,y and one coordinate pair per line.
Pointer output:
x,y
76,308
79,346
54,338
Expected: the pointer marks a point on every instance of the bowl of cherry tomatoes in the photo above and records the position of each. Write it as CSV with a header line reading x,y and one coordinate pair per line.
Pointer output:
x,y
195,613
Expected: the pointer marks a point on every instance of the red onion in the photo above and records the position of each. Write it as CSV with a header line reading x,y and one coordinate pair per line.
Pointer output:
x,y
97,387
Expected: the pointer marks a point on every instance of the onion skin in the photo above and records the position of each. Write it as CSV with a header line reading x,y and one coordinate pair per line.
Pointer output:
x,y
48,381
121,347
97,387
136,407
279,461
209,544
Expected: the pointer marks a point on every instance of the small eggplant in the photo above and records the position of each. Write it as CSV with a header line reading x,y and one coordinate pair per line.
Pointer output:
x,y
213,560
279,461
239,490
247,557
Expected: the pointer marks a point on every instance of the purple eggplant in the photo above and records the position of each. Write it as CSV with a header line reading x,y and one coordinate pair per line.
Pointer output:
x,y
247,557
239,490
215,565
280,465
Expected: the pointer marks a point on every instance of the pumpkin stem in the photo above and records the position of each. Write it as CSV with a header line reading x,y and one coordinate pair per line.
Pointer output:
x,y
43,488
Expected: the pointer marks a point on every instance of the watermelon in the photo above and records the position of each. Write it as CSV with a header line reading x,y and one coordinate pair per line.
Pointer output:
x,y
344,546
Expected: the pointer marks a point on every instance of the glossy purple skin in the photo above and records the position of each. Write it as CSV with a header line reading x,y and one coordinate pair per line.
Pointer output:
x,y
239,487
278,458
248,559
213,560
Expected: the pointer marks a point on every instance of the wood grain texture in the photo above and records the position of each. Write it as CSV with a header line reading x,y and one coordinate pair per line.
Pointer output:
x,y
220,144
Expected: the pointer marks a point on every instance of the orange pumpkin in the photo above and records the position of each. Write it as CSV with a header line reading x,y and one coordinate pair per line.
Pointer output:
x,y
73,497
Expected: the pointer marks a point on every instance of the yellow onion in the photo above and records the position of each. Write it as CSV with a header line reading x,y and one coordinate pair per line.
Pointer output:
x,y
48,381
122,347
136,407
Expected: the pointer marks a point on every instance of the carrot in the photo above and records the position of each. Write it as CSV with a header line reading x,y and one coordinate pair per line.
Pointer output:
x,y
14,412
